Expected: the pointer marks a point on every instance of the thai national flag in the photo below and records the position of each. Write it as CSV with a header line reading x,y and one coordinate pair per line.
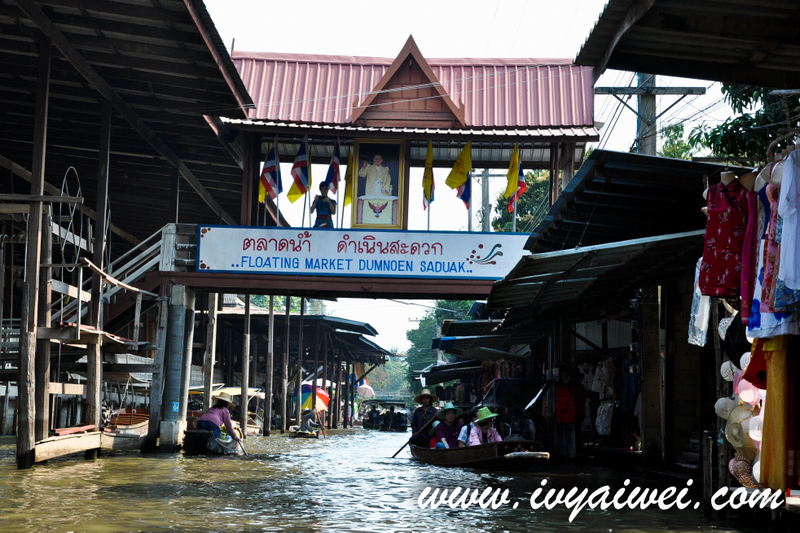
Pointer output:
x,y
270,180
464,191
301,173
332,179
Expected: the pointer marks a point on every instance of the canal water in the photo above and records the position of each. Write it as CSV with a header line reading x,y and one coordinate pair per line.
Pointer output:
x,y
345,482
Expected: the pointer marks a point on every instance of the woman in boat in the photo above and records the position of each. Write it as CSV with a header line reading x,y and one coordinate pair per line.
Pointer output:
x,y
483,432
469,423
422,415
432,433
217,416
447,432
308,421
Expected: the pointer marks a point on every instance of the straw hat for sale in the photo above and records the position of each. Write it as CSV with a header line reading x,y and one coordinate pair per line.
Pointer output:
x,y
426,392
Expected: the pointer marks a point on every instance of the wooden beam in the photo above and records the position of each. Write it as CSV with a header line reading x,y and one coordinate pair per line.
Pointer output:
x,y
67,389
636,12
53,191
93,77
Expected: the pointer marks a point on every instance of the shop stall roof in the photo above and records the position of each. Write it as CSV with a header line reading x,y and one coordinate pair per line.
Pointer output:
x,y
750,42
581,283
618,196
450,371
166,72
461,328
514,393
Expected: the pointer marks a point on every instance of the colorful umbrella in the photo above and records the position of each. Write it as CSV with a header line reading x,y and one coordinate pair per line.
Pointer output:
x,y
365,391
320,400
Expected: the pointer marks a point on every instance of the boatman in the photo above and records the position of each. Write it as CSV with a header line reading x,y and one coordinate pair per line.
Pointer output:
x,y
217,416
308,420
422,415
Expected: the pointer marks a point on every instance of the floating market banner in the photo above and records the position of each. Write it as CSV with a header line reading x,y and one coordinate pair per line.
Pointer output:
x,y
349,252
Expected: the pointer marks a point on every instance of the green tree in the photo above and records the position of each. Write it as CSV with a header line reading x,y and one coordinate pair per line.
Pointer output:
x,y
674,145
759,118
421,355
532,204
391,377
313,307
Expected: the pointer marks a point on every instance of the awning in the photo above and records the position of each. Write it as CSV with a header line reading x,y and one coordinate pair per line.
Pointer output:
x,y
448,372
584,282
514,393
618,196
745,42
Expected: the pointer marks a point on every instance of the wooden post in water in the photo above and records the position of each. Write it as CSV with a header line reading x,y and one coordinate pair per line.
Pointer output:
x,y
337,372
269,370
26,404
285,367
325,374
300,350
210,358
245,366
43,345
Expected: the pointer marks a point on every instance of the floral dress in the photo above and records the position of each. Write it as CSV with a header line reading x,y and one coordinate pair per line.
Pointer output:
x,y
720,272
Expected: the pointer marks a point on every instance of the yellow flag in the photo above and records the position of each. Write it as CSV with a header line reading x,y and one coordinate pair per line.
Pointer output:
x,y
463,166
513,174
348,193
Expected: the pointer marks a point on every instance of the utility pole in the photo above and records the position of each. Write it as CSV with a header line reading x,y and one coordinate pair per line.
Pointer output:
x,y
646,91
486,207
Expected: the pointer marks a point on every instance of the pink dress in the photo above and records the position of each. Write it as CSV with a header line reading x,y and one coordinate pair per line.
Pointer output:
x,y
475,437
721,270
772,251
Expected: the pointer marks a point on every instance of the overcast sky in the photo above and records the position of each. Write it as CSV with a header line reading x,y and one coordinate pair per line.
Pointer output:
x,y
441,28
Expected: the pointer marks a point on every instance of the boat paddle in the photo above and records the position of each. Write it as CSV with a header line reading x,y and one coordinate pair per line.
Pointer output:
x,y
428,423
242,445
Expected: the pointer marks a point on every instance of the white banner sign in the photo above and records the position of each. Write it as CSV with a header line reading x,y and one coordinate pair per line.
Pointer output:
x,y
372,253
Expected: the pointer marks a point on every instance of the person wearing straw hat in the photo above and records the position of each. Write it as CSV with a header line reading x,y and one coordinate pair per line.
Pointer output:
x,y
217,416
422,415
483,432
308,420
447,432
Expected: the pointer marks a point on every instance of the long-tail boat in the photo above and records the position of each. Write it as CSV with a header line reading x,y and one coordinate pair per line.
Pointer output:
x,y
504,455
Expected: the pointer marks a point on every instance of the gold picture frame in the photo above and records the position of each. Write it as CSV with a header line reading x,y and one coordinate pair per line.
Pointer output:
x,y
379,185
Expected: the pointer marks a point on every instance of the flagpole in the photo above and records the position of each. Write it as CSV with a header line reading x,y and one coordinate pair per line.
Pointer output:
x,y
429,215
514,220
278,193
469,201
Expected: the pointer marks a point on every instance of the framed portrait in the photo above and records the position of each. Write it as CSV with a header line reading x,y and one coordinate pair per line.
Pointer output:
x,y
379,188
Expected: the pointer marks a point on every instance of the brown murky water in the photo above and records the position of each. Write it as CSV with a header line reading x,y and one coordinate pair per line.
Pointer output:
x,y
346,482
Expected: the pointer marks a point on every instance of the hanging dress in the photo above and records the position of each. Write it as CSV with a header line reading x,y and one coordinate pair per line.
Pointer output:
x,y
720,273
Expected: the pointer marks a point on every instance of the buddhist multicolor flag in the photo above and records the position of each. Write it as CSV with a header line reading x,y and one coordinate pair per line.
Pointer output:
x,y
348,178
332,179
270,181
427,178
301,173
461,169
516,181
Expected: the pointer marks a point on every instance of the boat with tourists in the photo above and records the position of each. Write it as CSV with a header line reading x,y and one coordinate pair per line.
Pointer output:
x,y
385,415
504,455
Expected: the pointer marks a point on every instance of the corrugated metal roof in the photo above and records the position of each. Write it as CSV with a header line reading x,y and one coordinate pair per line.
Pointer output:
x,y
495,93
749,42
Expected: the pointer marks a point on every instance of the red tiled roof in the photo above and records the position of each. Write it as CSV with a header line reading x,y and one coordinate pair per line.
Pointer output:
x,y
495,93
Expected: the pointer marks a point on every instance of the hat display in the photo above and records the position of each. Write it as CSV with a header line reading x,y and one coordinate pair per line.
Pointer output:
x,y
728,370
738,434
432,432
449,407
426,392
725,406
224,396
485,414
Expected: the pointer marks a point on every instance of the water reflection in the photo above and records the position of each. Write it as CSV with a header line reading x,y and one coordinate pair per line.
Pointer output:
x,y
346,482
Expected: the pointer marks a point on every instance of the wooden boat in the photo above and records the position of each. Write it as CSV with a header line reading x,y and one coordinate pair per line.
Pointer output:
x,y
129,422
295,433
370,425
202,442
396,426
505,455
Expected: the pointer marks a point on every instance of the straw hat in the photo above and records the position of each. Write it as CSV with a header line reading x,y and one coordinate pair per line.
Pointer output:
x,y
224,396
426,392
738,434
449,407
484,414
728,370
725,406
432,432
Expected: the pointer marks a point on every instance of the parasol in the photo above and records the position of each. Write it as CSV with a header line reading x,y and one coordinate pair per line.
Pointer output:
x,y
320,401
365,391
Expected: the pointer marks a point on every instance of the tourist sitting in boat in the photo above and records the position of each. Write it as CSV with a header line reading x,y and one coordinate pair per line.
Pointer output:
x,y
308,421
422,415
387,417
447,432
469,423
374,416
432,434
483,432
218,416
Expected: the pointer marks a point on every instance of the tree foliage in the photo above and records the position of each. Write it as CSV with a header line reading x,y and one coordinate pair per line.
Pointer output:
x,y
759,118
421,355
530,204
391,377
313,307
674,145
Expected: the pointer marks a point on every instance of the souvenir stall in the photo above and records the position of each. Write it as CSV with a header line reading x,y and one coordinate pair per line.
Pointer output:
x,y
751,264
